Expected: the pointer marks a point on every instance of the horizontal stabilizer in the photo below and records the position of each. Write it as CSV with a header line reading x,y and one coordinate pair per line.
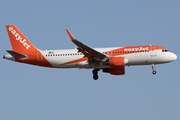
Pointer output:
x,y
15,54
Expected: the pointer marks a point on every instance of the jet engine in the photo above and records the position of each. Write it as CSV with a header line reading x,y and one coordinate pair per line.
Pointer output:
x,y
117,65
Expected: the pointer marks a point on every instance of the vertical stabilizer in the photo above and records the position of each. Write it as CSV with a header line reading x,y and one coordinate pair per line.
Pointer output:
x,y
18,41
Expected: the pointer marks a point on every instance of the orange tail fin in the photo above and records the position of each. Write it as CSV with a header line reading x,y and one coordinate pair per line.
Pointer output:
x,y
18,41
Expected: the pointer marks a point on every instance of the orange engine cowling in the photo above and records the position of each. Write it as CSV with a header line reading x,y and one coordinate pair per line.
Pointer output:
x,y
117,65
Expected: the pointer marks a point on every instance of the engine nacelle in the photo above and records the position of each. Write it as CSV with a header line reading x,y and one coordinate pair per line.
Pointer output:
x,y
116,61
115,71
117,65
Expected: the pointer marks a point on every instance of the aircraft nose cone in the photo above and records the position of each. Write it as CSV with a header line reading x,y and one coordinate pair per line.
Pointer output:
x,y
174,56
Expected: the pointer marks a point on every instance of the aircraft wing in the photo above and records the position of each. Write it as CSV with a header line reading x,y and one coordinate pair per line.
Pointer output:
x,y
86,50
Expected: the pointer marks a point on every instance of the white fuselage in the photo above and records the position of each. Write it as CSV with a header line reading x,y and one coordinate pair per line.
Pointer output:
x,y
57,58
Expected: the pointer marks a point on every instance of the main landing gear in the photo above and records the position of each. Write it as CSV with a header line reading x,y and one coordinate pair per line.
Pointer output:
x,y
153,68
95,74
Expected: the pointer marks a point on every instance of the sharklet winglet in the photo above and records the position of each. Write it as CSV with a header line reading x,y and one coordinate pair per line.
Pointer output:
x,y
70,35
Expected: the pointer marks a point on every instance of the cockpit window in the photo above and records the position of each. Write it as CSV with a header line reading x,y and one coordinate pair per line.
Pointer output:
x,y
165,50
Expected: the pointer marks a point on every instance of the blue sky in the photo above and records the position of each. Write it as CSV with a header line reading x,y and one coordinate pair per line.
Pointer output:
x,y
31,92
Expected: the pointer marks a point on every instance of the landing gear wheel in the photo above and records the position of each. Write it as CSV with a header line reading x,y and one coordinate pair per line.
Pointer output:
x,y
154,72
95,74
95,77
153,68
95,71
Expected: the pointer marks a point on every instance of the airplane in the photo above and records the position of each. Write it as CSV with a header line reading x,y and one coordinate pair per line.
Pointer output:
x,y
110,60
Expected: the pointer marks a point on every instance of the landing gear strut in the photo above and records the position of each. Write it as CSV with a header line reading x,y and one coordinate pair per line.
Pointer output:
x,y
153,68
95,74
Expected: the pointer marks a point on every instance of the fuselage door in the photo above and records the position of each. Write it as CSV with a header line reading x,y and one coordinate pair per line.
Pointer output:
x,y
39,56
153,52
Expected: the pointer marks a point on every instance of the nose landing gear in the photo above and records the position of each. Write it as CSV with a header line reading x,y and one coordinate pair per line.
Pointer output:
x,y
95,74
153,68
154,72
